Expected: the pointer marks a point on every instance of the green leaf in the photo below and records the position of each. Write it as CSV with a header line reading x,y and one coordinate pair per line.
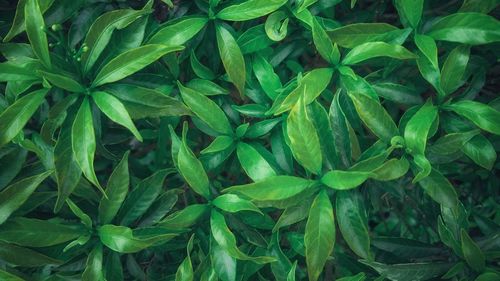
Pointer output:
x,y
64,82
391,170
484,116
220,143
25,257
405,248
319,235
418,127
206,109
440,189
352,35
466,28
142,102
123,240
191,168
411,10
131,61
178,32
12,71
273,188
481,151
223,264
310,87
185,217
410,271
268,79
276,26
232,58
253,163
142,197
101,30
9,277
84,218
18,23
225,238
291,273
115,110
116,190
472,254
93,267
83,142
324,44
35,26
304,140
454,69
233,203
38,233
352,221
375,117
428,47
249,9
15,117
14,195
185,270
376,49
343,180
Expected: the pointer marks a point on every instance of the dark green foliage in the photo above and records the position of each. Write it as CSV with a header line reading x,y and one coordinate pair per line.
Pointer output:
x,y
243,140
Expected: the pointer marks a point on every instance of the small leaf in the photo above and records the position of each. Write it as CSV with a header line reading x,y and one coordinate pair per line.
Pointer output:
x,y
253,163
304,140
232,58
123,240
249,9
117,189
179,32
130,62
115,110
319,237
83,142
484,116
324,45
273,188
454,69
64,82
206,109
191,168
343,180
15,117
466,28
35,26
233,203
376,49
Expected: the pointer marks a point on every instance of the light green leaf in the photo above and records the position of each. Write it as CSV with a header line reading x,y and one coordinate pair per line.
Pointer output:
x,y
324,45
131,61
343,180
206,109
454,68
410,10
178,32
93,267
253,163
315,82
466,28
481,151
375,117
83,142
116,190
15,117
428,47
123,240
249,9
440,189
417,128
35,26
484,116
319,237
376,49
352,35
191,168
220,143
273,188
233,203
304,140
185,270
232,58
115,110
185,217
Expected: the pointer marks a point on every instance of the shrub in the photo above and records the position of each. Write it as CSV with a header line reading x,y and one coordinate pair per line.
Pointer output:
x,y
249,140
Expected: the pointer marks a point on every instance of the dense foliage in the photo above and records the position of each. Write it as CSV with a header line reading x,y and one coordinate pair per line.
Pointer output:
x,y
249,140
